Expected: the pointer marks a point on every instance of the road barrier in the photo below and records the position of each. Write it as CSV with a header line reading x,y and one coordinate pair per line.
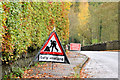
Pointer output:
x,y
112,45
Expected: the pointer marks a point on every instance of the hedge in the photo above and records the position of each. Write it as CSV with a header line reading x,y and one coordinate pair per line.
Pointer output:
x,y
28,24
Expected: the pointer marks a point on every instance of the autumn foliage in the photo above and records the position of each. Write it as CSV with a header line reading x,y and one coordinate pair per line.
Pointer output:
x,y
28,24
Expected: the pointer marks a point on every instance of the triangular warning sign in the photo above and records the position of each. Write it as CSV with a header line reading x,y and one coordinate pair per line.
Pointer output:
x,y
52,50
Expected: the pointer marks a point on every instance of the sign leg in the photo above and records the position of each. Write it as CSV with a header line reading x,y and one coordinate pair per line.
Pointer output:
x,y
52,65
29,64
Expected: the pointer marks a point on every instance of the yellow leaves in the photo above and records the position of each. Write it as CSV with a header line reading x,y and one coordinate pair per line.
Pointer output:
x,y
2,59
68,4
12,57
9,58
6,62
78,34
35,12
84,13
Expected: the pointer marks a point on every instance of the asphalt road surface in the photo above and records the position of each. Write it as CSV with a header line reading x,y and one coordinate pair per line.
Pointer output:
x,y
102,64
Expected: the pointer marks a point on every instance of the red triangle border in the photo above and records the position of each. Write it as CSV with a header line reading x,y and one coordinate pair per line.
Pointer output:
x,y
54,53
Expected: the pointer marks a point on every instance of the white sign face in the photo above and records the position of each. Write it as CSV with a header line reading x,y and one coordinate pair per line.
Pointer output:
x,y
52,45
52,50
51,58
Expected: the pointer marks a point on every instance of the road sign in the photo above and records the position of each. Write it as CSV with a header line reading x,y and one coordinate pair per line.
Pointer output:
x,y
75,46
52,50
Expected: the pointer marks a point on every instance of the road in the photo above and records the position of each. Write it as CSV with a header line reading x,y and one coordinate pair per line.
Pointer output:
x,y
102,64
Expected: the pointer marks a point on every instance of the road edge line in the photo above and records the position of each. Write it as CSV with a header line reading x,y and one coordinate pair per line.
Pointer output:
x,y
83,65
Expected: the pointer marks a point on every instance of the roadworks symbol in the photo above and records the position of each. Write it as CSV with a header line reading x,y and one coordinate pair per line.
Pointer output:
x,y
52,50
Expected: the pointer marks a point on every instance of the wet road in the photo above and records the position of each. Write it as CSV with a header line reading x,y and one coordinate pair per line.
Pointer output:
x,y
102,64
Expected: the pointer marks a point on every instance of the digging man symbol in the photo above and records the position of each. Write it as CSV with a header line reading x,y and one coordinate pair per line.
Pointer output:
x,y
53,45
